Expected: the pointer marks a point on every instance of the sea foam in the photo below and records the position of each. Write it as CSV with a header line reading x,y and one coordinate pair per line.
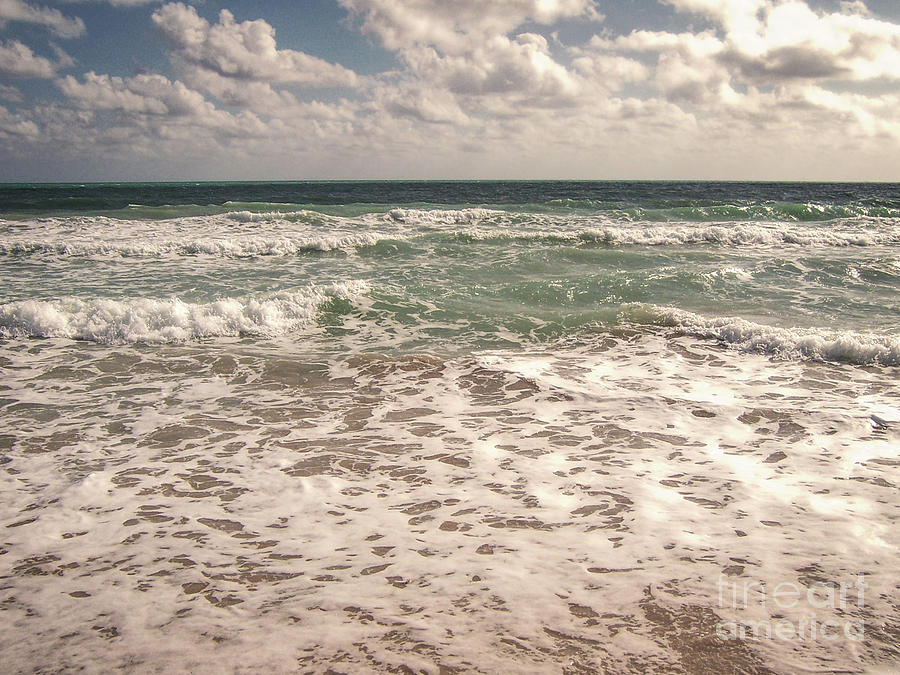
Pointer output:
x,y
750,235
444,216
170,320
233,247
792,343
246,234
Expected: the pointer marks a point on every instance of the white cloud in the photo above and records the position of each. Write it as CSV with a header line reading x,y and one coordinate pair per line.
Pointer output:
x,y
763,58
420,104
609,71
486,89
254,95
452,27
151,109
499,65
243,50
150,94
16,126
148,118
688,44
470,56
19,10
855,7
150,115
877,116
772,40
120,3
10,93
17,60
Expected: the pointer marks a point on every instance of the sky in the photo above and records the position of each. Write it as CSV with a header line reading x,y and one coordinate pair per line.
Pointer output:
x,y
114,90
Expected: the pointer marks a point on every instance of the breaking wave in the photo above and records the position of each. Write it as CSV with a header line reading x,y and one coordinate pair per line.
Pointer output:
x,y
238,247
113,321
791,343
188,238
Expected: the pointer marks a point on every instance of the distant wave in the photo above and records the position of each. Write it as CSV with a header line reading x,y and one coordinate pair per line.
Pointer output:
x,y
792,343
170,320
237,247
446,216
729,212
682,235
744,235
188,238
664,213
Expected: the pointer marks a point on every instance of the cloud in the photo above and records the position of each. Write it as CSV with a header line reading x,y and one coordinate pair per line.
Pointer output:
x,y
420,104
778,40
17,60
470,55
16,126
120,3
761,59
148,116
452,27
609,71
489,89
878,116
768,43
522,65
148,94
11,94
255,95
53,19
244,51
156,107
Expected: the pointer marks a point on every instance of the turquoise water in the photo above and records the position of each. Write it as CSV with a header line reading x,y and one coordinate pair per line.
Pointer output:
x,y
480,264
449,427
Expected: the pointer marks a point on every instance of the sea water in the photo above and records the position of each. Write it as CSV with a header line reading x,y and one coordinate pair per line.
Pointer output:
x,y
449,427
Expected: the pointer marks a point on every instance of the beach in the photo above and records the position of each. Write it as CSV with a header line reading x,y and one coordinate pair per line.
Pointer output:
x,y
450,427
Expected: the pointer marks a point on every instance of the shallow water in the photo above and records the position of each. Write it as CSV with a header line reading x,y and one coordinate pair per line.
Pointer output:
x,y
596,507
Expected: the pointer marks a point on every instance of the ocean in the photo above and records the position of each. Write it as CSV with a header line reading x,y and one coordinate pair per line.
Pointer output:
x,y
450,427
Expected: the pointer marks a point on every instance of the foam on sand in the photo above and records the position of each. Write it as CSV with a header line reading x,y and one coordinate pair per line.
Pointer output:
x,y
390,511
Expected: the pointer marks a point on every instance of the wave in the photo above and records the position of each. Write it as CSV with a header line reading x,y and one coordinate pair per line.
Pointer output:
x,y
244,211
445,216
609,234
809,212
663,212
790,343
243,247
727,212
742,235
278,240
170,320
167,320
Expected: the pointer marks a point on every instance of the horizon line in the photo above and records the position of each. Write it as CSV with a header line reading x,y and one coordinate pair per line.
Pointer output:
x,y
85,183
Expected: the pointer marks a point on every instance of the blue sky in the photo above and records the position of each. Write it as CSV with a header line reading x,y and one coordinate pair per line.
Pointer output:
x,y
309,89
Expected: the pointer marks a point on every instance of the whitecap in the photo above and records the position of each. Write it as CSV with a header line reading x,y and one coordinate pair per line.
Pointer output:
x,y
108,320
793,343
